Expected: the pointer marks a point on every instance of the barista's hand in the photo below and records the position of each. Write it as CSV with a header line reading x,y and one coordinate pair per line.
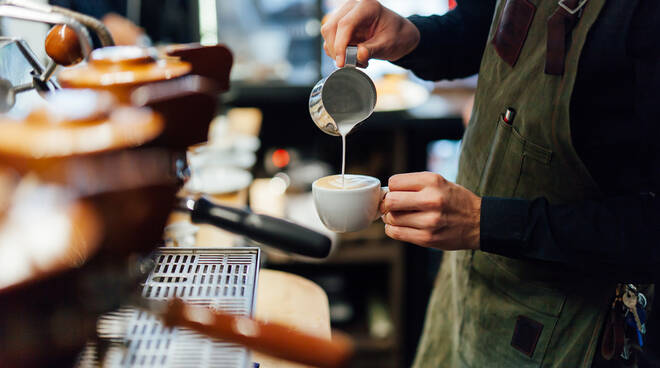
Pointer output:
x,y
378,32
425,209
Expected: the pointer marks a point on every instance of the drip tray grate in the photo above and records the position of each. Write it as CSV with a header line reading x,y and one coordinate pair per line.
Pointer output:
x,y
221,278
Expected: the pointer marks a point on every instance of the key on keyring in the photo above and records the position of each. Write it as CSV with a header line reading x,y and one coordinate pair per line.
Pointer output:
x,y
630,301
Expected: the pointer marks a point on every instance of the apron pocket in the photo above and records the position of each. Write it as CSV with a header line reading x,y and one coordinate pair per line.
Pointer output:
x,y
507,322
536,178
513,158
500,175
512,30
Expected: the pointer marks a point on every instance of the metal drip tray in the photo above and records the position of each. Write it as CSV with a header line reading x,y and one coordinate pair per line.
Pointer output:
x,y
221,278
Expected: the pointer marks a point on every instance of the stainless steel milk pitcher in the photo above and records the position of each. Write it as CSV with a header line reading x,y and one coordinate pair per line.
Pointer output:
x,y
346,95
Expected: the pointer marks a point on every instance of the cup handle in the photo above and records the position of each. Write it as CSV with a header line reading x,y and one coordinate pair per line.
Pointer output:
x,y
351,57
383,193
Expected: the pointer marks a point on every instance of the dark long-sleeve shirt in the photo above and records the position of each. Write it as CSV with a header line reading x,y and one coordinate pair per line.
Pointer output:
x,y
615,128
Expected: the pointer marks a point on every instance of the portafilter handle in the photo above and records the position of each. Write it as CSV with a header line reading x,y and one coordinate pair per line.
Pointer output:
x,y
272,231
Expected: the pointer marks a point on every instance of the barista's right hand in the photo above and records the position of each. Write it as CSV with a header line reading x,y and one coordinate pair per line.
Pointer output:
x,y
377,31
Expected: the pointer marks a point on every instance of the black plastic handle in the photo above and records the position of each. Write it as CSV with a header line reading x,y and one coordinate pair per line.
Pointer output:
x,y
278,233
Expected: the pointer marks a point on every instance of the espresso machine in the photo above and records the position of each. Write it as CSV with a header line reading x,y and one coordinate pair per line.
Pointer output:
x,y
89,174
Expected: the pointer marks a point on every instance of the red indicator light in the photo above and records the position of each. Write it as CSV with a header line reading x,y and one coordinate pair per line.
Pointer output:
x,y
281,158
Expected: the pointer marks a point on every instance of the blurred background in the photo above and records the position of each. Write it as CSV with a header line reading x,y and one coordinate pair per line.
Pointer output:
x,y
377,287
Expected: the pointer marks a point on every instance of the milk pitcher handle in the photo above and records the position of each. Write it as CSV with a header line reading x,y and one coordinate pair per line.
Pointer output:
x,y
351,56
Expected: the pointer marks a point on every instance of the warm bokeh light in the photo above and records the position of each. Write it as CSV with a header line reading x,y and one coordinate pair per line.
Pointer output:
x,y
281,158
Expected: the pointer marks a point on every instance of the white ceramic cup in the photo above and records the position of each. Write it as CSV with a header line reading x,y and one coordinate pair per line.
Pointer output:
x,y
344,210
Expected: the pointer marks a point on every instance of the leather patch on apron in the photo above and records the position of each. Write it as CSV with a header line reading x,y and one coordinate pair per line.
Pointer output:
x,y
512,30
526,335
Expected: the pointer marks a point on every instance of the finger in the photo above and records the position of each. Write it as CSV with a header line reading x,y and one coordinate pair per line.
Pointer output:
x,y
329,28
423,238
415,181
416,219
328,32
410,201
345,32
363,55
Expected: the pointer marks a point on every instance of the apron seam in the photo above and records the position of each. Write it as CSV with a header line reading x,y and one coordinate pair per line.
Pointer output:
x,y
581,168
586,362
554,328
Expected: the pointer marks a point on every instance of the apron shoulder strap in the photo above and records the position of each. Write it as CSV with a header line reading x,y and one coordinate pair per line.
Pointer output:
x,y
560,26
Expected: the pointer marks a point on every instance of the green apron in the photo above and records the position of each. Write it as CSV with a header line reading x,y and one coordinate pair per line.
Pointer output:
x,y
478,297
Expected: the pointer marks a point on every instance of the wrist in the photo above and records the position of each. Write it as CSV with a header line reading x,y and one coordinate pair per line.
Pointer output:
x,y
474,237
415,30
413,36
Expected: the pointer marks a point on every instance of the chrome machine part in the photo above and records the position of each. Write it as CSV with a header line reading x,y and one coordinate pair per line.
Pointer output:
x,y
220,278
20,70
20,82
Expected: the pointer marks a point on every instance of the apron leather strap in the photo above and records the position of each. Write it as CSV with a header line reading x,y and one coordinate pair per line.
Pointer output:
x,y
560,26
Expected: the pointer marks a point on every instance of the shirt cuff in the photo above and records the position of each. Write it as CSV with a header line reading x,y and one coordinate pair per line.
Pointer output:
x,y
424,47
503,223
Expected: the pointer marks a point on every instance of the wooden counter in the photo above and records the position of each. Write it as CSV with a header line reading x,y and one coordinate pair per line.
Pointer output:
x,y
294,301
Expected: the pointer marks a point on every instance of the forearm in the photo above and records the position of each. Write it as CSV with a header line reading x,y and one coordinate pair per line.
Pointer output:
x,y
618,235
451,45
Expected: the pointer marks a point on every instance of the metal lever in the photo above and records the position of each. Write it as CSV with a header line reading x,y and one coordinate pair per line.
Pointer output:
x,y
33,15
90,22
14,10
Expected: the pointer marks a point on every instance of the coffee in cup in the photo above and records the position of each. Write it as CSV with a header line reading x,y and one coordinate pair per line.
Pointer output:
x,y
350,204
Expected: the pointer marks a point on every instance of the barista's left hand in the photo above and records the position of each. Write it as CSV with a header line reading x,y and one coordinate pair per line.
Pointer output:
x,y
425,209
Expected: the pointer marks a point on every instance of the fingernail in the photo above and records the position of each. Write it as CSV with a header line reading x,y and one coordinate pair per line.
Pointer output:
x,y
338,59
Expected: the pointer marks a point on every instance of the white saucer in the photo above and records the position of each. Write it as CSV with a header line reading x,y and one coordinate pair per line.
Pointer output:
x,y
218,180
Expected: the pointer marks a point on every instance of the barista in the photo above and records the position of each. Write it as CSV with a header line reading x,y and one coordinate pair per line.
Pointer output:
x,y
556,200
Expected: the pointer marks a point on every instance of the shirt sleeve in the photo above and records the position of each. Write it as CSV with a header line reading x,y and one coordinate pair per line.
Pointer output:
x,y
451,45
616,235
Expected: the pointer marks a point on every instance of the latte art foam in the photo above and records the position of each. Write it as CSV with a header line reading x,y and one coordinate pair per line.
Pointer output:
x,y
349,182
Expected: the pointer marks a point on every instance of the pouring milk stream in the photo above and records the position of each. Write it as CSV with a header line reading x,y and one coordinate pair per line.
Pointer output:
x,y
342,100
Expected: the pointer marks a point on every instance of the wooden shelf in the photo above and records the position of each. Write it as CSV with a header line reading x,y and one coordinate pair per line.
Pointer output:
x,y
365,342
371,251
386,251
368,343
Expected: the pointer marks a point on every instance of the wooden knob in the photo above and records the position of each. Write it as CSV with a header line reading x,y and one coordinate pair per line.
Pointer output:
x,y
62,45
